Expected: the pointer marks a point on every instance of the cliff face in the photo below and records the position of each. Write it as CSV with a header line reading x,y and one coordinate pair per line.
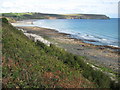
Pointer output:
x,y
22,16
88,16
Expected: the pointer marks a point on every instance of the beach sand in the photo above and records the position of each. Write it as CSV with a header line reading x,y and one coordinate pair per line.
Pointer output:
x,y
105,56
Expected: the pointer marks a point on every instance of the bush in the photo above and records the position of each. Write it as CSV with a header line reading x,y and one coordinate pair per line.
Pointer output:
x,y
4,20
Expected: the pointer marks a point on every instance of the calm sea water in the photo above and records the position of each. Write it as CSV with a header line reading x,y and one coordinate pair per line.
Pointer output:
x,y
99,32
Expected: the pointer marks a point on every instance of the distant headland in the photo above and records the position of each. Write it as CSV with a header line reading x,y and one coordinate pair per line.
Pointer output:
x,y
36,15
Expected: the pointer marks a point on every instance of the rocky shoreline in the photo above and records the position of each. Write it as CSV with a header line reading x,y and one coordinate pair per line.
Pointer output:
x,y
99,55
103,56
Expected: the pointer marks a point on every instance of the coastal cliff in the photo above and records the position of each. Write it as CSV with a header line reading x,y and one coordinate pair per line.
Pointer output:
x,y
88,16
28,15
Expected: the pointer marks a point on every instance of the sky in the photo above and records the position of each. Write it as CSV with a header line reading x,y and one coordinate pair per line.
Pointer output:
x,y
107,7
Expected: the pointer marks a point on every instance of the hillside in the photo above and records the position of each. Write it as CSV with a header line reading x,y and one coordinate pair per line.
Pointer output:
x,y
27,64
21,16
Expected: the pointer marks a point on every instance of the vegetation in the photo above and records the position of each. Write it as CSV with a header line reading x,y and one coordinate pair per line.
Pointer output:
x,y
27,64
77,62
23,16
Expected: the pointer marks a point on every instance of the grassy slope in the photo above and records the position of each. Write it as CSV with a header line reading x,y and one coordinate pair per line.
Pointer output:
x,y
27,65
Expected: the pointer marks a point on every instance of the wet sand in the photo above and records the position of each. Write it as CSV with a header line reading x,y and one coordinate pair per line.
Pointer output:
x,y
106,56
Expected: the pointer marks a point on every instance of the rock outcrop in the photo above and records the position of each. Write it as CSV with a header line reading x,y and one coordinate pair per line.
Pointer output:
x,y
35,37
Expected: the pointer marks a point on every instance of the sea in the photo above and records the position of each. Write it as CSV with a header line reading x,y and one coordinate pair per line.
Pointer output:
x,y
93,31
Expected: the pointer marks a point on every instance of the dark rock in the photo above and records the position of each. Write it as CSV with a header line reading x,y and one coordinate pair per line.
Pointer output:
x,y
101,48
82,45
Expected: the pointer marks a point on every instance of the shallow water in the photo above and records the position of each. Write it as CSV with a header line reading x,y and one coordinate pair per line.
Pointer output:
x,y
98,32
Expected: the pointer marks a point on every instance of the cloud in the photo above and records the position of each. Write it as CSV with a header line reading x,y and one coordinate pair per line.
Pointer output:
x,y
108,7
7,4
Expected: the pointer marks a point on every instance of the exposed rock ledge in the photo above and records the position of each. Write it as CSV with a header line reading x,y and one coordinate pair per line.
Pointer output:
x,y
35,37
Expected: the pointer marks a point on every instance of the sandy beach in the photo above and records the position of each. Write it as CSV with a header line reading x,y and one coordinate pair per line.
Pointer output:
x,y
103,56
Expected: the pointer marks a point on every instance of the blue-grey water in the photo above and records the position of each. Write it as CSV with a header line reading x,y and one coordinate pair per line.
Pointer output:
x,y
94,31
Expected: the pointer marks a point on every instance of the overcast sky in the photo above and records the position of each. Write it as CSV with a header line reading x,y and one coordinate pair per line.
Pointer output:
x,y
107,7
